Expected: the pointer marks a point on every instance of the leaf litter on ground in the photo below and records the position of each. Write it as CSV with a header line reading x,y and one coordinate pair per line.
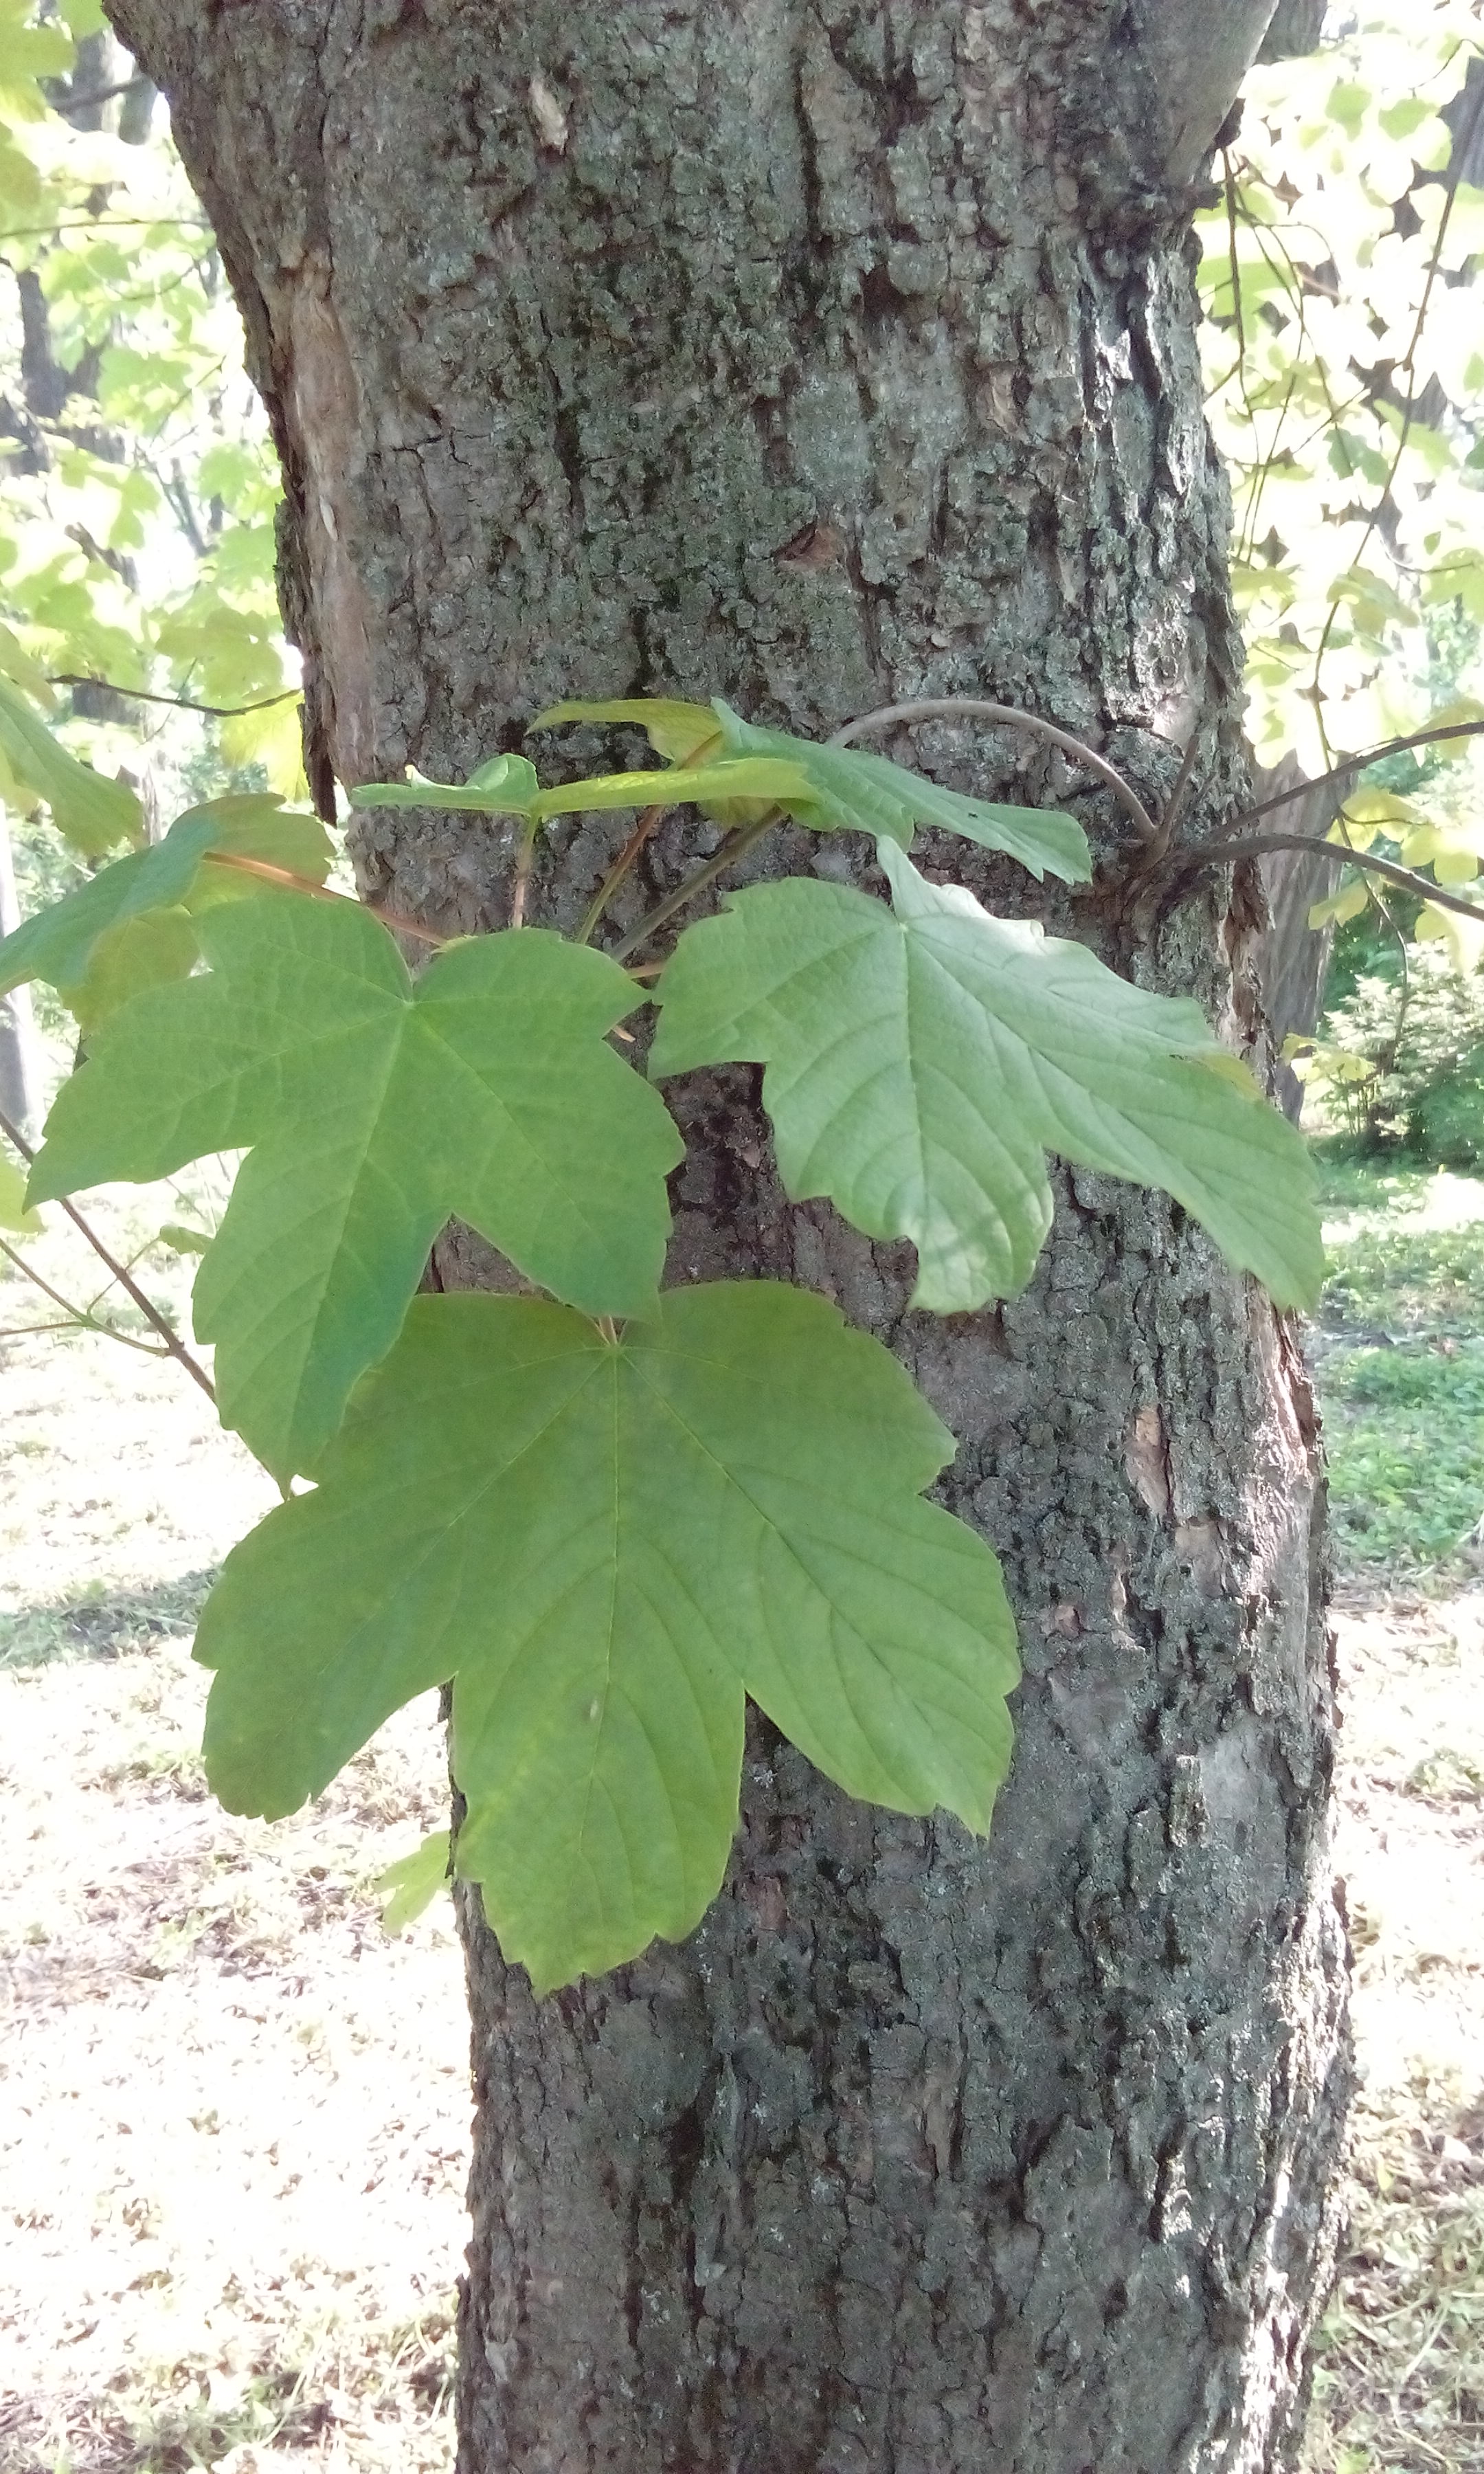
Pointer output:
x,y
233,2114
223,1987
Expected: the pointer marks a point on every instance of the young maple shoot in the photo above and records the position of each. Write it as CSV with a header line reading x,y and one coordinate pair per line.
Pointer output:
x,y
609,1516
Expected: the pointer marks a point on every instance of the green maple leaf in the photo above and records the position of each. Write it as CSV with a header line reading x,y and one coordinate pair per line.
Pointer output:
x,y
377,1109
922,1062
410,1884
507,786
674,729
851,791
18,665
13,1214
829,789
59,944
760,782
504,786
285,837
146,948
141,953
92,813
606,1547
689,737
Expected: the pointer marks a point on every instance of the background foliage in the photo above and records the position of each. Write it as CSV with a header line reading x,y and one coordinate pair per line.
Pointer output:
x,y
137,483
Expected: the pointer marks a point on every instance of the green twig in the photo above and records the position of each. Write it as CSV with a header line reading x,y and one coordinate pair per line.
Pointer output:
x,y
736,845
520,883
647,824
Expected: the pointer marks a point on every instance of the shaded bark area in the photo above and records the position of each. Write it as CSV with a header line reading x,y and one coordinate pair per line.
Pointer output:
x,y
821,352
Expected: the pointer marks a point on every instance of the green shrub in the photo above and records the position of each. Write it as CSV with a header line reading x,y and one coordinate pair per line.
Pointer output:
x,y
1425,1096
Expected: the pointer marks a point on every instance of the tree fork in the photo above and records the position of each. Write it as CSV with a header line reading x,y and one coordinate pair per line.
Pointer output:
x,y
828,354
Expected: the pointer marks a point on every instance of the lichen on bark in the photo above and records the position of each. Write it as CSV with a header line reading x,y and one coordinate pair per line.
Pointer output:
x,y
821,353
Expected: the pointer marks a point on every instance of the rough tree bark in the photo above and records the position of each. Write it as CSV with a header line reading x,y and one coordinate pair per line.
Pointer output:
x,y
821,352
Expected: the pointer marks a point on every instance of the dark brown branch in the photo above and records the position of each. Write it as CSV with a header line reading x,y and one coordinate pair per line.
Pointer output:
x,y
181,704
70,103
738,842
1359,764
1256,846
1174,806
175,1346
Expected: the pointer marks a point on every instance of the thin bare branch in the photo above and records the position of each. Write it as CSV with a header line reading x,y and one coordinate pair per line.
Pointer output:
x,y
1258,846
77,1317
1174,806
1358,764
181,704
736,845
175,1346
101,94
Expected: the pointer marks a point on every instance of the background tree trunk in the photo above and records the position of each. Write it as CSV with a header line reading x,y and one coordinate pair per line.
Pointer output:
x,y
20,1075
818,352
1294,957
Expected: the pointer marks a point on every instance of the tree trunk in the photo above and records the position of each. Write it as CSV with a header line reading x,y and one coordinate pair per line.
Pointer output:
x,y
818,354
1295,956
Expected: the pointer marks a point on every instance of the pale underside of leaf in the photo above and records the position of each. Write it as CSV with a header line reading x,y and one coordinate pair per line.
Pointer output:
x,y
921,1065
675,730
850,790
504,786
607,1547
762,779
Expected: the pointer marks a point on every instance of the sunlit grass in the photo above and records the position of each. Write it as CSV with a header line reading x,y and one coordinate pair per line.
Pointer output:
x,y
1400,1359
